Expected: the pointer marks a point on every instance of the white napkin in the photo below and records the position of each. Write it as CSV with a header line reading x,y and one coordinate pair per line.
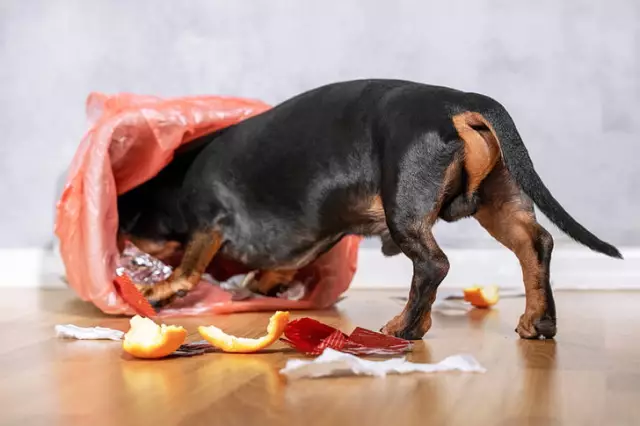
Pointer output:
x,y
71,331
335,363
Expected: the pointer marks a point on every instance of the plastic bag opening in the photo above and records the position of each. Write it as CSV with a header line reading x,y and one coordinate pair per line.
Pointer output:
x,y
131,138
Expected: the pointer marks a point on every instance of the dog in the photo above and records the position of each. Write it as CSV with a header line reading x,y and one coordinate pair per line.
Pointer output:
x,y
375,157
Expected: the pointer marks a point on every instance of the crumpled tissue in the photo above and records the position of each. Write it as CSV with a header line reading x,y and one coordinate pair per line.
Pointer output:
x,y
70,331
336,363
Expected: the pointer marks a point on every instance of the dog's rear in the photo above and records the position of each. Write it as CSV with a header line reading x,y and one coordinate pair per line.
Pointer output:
x,y
516,158
501,188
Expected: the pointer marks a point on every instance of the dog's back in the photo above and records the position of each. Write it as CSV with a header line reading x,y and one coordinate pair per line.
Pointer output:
x,y
287,184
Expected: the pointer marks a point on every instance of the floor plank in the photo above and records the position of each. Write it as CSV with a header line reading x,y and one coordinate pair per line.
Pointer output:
x,y
589,375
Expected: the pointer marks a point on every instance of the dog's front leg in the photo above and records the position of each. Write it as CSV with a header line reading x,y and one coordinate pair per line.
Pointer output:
x,y
430,267
270,279
200,250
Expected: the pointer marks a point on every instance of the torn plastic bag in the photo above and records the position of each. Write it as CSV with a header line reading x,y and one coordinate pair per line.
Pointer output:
x,y
130,140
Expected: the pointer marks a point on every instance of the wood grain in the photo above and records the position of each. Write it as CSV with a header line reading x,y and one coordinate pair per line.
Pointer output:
x,y
590,375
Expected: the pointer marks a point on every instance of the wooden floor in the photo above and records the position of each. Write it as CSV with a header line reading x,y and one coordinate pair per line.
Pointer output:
x,y
590,375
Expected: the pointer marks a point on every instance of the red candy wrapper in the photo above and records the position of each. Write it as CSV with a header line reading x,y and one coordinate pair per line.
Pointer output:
x,y
313,337
130,294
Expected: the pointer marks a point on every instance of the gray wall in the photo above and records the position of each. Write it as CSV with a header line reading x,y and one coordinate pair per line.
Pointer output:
x,y
569,72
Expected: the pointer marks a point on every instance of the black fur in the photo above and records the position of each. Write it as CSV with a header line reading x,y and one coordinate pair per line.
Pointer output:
x,y
286,185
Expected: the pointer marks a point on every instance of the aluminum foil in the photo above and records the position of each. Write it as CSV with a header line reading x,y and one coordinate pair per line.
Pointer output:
x,y
141,267
145,269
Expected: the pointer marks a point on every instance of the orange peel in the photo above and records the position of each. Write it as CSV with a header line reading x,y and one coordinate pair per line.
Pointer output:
x,y
146,339
229,343
482,297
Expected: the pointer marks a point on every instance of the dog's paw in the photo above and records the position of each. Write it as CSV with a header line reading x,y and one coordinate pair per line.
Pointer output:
x,y
397,327
163,293
536,327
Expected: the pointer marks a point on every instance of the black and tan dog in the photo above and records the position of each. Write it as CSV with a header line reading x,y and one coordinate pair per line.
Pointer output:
x,y
369,157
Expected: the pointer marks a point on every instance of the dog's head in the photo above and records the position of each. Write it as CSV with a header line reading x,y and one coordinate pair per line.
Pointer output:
x,y
150,218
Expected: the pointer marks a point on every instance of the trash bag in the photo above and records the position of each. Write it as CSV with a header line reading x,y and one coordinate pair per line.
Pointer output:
x,y
131,138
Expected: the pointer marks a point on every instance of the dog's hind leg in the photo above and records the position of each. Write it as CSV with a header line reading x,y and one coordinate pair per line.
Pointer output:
x,y
508,216
414,188
198,253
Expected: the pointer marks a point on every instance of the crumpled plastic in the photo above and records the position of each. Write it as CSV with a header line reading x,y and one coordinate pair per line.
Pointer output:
x,y
312,337
335,363
131,138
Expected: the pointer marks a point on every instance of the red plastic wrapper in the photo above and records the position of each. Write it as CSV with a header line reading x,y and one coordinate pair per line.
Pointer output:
x,y
313,337
131,139
130,294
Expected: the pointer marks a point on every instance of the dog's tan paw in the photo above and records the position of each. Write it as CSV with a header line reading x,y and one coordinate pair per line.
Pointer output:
x,y
163,293
536,326
397,327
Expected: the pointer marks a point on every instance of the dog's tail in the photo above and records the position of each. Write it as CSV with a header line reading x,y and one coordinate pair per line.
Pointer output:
x,y
519,164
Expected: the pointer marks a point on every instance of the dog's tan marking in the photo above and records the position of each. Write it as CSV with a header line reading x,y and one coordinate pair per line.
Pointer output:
x,y
376,209
198,254
269,279
162,250
481,147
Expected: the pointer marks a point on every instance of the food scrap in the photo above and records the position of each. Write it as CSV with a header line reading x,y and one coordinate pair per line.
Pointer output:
x,y
228,343
146,339
482,297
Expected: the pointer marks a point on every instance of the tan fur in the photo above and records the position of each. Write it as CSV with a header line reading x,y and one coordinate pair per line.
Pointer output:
x,y
198,253
272,278
481,148
161,250
376,210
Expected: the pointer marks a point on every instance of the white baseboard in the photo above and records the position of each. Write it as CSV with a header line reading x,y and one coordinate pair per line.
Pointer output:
x,y
570,269
31,268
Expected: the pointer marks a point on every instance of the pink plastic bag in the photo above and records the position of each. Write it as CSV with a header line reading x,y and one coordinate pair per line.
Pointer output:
x,y
130,140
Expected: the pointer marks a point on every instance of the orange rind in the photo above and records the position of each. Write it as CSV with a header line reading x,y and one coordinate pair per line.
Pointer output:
x,y
146,339
228,343
482,297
